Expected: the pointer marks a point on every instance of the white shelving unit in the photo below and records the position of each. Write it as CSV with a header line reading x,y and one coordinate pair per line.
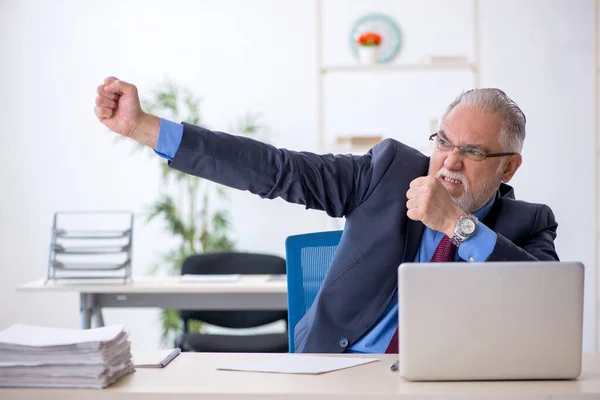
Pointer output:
x,y
397,67
324,70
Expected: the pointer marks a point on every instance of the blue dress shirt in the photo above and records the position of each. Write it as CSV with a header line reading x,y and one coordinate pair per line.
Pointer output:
x,y
169,139
375,341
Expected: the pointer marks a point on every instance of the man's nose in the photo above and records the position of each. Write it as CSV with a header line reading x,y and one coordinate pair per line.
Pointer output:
x,y
454,159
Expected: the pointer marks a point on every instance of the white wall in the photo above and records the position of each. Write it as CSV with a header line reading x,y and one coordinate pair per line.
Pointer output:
x,y
259,55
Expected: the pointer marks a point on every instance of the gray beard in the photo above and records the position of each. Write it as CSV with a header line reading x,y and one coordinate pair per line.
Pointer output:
x,y
474,200
471,201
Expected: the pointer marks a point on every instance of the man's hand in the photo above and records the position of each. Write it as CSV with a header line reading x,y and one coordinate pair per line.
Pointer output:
x,y
118,107
430,203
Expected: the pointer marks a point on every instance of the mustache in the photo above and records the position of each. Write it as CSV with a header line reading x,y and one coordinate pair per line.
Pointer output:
x,y
459,176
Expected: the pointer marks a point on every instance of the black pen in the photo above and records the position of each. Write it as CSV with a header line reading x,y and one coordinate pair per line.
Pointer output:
x,y
394,366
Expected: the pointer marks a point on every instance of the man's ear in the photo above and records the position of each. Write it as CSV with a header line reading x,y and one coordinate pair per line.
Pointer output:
x,y
513,164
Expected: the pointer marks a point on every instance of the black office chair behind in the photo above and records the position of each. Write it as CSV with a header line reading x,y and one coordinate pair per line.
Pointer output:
x,y
233,263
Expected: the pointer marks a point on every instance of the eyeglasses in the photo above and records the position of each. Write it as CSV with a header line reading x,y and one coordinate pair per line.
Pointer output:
x,y
466,151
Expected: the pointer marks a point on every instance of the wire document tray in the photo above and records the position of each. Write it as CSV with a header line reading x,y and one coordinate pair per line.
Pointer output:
x,y
91,245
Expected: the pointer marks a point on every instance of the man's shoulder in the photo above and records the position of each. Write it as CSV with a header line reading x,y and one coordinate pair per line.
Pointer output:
x,y
506,195
393,145
524,211
524,205
391,150
397,161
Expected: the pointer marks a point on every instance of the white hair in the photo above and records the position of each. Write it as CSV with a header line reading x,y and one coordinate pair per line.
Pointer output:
x,y
492,101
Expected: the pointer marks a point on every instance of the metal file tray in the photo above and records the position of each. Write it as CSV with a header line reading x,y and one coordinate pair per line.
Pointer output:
x,y
88,266
60,249
91,245
61,233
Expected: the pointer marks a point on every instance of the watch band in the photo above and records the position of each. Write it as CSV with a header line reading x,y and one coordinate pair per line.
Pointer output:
x,y
459,236
456,240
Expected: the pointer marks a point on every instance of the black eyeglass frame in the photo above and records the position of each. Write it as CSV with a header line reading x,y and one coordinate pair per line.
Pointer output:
x,y
465,152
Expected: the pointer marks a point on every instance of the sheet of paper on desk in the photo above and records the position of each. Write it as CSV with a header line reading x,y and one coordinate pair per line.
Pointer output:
x,y
277,278
192,278
56,338
300,364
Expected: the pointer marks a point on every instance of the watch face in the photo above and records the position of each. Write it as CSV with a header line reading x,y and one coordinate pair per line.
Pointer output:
x,y
467,226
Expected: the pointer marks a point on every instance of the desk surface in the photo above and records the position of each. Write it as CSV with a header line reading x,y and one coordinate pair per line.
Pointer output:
x,y
165,284
195,376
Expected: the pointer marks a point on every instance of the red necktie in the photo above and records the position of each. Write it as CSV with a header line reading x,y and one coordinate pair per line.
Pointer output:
x,y
445,252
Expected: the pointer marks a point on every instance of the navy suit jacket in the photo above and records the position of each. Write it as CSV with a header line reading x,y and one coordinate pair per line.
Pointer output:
x,y
370,192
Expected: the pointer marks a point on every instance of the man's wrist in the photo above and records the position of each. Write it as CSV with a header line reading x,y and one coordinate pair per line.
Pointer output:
x,y
451,222
147,130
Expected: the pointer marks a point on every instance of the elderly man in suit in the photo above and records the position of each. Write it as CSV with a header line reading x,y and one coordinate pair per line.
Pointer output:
x,y
399,205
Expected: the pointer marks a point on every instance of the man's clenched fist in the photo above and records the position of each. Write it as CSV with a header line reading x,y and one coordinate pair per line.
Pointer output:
x,y
118,107
430,203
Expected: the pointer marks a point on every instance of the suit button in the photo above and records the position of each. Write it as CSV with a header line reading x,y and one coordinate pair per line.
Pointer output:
x,y
343,343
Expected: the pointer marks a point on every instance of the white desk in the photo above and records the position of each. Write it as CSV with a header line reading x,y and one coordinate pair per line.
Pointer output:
x,y
250,292
195,376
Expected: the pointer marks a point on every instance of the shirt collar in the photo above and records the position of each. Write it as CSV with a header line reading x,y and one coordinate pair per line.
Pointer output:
x,y
483,211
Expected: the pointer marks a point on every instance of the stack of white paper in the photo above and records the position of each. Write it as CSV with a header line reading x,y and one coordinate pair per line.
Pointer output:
x,y
35,356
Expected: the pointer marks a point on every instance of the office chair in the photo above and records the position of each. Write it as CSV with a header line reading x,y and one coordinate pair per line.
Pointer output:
x,y
308,257
233,263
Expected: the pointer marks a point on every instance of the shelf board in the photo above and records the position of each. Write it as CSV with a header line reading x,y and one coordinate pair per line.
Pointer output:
x,y
398,67
359,141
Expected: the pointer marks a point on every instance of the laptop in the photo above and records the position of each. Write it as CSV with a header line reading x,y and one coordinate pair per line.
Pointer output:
x,y
490,321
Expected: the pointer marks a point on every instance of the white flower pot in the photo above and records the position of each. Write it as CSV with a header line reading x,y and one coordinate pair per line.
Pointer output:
x,y
368,55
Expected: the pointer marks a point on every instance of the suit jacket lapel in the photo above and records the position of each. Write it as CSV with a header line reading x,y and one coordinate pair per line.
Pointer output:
x,y
503,191
414,232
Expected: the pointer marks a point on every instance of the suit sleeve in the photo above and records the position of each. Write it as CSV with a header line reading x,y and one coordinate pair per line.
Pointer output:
x,y
538,244
333,183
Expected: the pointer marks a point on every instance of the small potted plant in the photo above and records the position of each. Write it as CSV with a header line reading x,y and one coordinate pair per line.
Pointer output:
x,y
368,47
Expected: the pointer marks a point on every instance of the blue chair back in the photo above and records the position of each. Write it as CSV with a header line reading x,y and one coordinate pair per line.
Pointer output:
x,y
308,257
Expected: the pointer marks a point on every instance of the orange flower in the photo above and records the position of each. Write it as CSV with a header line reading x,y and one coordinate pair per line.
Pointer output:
x,y
369,39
